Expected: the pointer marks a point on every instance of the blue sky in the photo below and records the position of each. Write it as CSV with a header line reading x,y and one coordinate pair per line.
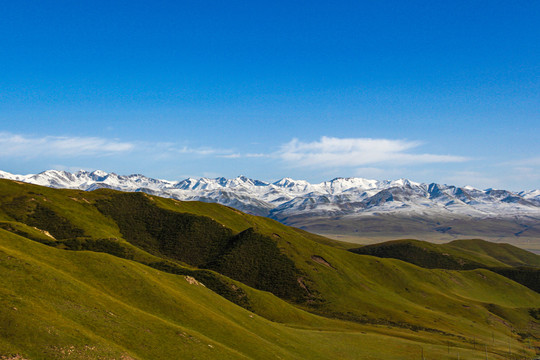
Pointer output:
x,y
439,91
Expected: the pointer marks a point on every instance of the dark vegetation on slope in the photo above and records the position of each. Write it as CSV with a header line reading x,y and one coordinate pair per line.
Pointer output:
x,y
516,264
255,260
192,239
34,214
527,276
215,282
419,253
248,257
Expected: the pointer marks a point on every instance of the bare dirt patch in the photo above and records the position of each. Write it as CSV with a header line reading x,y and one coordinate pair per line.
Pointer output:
x,y
44,232
322,261
302,285
193,281
13,357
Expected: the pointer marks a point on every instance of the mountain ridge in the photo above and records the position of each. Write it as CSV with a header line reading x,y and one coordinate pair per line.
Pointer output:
x,y
298,202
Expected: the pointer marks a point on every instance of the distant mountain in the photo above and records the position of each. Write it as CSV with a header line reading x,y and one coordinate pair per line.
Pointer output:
x,y
310,206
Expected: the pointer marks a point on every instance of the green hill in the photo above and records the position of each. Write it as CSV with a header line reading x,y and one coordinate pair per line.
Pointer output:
x,y
508,254
510,261
456,255
300,295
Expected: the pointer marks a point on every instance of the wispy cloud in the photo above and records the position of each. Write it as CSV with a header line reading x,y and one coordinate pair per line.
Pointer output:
x,y
248,155
231,156
352,152
172,150
532,161
16,145
31,147
201,151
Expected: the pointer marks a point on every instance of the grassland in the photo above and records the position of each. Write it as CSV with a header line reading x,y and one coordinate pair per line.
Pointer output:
x,y
113,302
512,262
456,255
521,232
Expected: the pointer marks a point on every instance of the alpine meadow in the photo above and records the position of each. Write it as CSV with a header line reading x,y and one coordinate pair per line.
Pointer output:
x,y
108,274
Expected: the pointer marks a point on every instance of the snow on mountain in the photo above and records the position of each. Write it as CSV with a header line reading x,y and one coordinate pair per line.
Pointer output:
x,y
532,196
287,197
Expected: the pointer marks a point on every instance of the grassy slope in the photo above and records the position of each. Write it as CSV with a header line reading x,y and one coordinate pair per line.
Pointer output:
x,y
84,305
362,288
512,262
505,253
366,289
458,254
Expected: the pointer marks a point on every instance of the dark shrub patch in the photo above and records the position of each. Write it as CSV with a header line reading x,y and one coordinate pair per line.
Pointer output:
x,y
195,240
255,260
249,257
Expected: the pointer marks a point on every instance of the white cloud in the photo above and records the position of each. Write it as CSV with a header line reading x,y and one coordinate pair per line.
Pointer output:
x,y
15,145
352,152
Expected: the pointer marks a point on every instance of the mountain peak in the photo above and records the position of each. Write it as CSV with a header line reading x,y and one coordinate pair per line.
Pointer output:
x,y
99,173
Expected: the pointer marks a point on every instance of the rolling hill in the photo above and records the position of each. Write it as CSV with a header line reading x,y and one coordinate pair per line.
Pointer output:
x,y
111,274
455,255
515,263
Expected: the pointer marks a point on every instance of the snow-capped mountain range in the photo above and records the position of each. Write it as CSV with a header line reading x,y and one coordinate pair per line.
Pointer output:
x,y
287,197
